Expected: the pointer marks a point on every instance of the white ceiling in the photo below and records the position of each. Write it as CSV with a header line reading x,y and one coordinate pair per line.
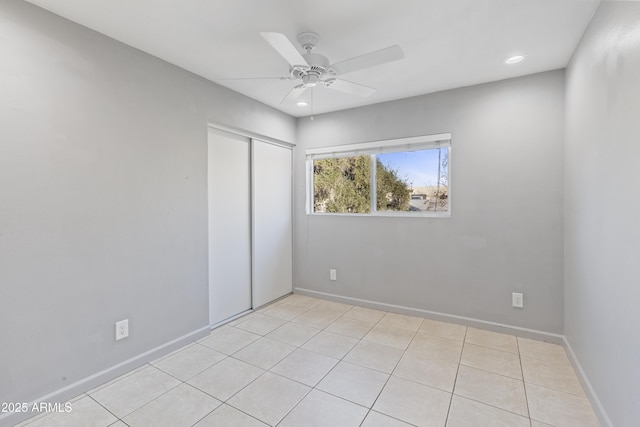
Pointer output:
x,y
447,43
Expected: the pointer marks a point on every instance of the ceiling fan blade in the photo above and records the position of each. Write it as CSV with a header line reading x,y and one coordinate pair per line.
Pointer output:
x,y
382,56
285,48
349,87
294,94
255,78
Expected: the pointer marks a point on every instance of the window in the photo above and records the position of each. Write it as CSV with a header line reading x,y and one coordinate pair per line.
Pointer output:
x,y
401,177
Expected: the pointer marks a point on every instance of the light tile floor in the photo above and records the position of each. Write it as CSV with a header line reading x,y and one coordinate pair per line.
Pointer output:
x,y
308,362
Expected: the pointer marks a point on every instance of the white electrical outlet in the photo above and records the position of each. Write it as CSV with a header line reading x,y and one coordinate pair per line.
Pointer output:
x,y
517,300
122,329
332,274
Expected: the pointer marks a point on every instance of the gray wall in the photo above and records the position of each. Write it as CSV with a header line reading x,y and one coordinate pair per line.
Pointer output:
x,y
602,209
103,202
505,231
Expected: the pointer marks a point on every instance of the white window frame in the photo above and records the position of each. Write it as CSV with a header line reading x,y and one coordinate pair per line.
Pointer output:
x,y
442,140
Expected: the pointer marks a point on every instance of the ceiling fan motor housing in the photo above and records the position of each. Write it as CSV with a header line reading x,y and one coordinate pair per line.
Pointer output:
x,y
318,65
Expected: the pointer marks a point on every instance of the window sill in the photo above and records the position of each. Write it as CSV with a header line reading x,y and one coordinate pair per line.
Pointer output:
x,y
387,214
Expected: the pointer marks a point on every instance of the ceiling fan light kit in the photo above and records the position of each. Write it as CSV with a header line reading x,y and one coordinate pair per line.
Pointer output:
x,y
313,70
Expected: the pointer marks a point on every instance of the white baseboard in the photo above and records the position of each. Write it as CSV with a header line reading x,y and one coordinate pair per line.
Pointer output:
x,y
434,315
602,415
82,386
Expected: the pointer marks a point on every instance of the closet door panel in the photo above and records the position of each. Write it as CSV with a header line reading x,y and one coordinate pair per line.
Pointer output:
x,y
229,191
272,222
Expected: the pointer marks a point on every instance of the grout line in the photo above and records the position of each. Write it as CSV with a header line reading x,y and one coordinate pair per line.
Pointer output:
x,y
394,368
455,379
526,398
294,406
390,416
157,397
210,412
492,406
105,408
238,409
365,417
492,372
492,348
234,394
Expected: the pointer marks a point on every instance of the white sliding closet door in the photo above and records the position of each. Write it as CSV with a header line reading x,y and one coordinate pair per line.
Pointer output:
x,y
272,222
229,188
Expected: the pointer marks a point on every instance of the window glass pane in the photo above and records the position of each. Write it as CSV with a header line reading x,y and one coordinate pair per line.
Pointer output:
x,y
342,185
413,181
392,190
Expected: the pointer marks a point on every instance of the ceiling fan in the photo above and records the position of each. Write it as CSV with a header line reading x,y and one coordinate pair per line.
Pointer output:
x,y
313,70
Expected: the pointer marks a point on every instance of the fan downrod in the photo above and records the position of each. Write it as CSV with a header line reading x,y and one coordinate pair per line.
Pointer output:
x,y
308,41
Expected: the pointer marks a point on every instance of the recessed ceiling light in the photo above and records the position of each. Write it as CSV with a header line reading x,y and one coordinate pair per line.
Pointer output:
x,y
302,103
514,59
